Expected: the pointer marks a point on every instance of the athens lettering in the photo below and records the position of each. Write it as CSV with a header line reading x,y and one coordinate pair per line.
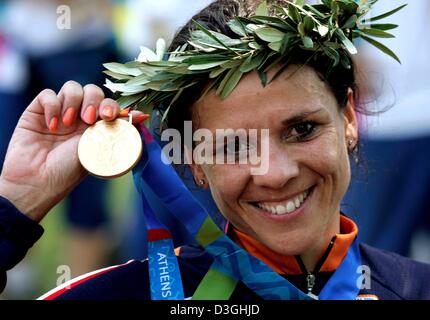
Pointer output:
x,y
163,269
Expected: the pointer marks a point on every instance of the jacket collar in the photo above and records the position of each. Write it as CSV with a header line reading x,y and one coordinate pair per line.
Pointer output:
x,y
289,265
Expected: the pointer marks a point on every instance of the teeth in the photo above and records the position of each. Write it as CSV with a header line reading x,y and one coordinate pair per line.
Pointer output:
x,y
289,207
281,210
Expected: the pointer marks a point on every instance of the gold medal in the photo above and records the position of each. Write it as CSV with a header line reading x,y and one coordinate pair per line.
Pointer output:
x,y
110,149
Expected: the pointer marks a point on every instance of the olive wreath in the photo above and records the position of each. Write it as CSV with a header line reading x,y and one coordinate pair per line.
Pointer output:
x,y
325,29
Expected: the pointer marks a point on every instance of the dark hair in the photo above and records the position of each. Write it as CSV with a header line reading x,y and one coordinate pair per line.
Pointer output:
x,y
215,17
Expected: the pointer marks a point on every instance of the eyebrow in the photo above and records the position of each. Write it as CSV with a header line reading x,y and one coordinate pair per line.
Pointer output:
x,y
299,117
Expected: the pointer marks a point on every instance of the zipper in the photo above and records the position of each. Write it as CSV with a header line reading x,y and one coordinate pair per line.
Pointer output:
x,y
311,276
310,279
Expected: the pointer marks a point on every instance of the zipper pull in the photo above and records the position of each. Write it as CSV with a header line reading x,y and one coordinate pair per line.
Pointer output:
x,y
310,279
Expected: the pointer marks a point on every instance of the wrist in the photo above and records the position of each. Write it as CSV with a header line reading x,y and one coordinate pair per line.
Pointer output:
x,y
28,200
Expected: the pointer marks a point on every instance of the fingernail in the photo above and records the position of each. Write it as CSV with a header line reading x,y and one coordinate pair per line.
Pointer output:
x,y
90,115
141,117
69,117
124,113
53,125
108,112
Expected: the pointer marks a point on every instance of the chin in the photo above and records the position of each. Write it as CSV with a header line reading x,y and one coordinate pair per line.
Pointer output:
x,y
288,245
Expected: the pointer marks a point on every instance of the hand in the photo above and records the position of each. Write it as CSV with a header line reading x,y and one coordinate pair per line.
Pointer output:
x,y
42,165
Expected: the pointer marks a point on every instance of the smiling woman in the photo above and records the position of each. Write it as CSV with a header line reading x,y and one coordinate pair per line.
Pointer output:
x,y
286,237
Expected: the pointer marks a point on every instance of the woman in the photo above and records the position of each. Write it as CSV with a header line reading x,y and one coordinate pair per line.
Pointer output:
x,y
289,217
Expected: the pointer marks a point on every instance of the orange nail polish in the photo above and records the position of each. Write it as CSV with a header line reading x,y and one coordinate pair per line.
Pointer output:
x,y
53,125
69,117
90,115
141,117
108,112
124,112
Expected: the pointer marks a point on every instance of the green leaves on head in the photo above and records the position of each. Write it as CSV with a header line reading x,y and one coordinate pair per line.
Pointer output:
x,y
256,43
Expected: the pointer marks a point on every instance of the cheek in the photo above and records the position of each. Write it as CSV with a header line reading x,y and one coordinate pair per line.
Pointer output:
x,y
328,158
227,183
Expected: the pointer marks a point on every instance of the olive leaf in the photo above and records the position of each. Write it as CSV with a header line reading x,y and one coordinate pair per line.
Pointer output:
x,y
117,76
382,26
232,82
301,29
381,47
269,34
351,22
237,27
346,42
215,73
122,69
309,24
213,35
293,13
126,101
377,33
276,46
252,63
204,66
385,15
307,42
275,22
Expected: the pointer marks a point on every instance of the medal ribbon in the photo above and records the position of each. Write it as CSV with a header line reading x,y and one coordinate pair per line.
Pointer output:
x,y
165,278
231,263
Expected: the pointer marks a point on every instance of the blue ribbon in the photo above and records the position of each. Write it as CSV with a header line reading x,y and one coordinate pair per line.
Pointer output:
x,y
164,272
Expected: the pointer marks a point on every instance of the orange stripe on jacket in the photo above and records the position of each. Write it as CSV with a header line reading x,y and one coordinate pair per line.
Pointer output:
x,y
288,264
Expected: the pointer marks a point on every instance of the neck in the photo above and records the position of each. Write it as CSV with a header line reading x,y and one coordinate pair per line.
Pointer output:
x,y
313,256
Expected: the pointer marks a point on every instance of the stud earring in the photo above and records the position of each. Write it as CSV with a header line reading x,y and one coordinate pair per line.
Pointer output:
x,y
353,151
202,182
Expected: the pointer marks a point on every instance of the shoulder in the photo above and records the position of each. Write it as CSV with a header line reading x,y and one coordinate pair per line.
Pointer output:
x,y
131,280
395,276
125,281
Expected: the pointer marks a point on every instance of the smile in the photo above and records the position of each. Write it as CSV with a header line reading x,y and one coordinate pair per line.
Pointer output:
x,y
286,206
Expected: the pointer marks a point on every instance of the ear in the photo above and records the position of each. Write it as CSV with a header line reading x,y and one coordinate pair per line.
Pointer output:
x,y
196,169
350,121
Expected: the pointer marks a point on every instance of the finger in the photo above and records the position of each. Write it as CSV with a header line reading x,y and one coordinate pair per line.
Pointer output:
x,y
47,103
71,95
109,109
139,117
136,116
93,96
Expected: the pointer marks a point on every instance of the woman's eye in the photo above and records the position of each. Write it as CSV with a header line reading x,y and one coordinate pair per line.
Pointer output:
x,y
302,130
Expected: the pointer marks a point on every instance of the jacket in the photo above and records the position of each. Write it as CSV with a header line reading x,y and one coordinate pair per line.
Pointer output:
x,y
390,276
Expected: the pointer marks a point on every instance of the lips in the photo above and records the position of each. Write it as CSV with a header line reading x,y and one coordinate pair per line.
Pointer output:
x,y
286,206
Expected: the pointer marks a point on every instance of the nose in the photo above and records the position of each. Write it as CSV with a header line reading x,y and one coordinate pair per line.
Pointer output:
x,y
281,169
